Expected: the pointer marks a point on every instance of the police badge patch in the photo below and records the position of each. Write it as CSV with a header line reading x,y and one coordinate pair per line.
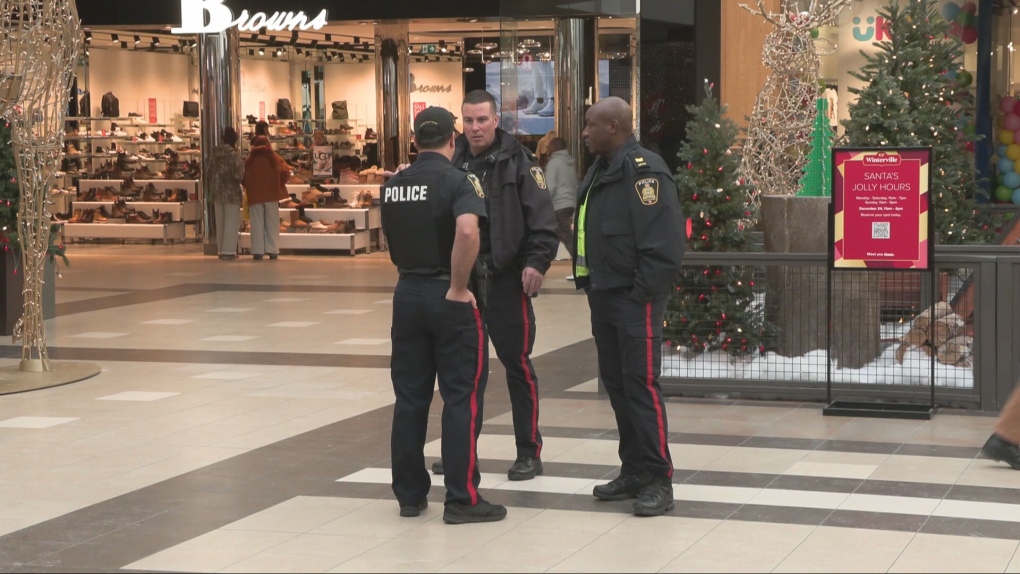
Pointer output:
x,y
539,175
477,184
648,190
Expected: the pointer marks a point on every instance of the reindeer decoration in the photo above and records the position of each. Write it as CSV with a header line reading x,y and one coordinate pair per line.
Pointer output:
x,y
779,133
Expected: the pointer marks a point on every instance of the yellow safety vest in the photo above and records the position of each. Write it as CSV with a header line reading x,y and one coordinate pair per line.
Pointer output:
x,y
580,268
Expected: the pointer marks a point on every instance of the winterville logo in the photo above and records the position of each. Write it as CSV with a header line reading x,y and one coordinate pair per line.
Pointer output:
x,y
882,159
220,18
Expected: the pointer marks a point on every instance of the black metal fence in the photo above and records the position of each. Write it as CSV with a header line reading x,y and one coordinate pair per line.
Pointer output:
x,y
884,330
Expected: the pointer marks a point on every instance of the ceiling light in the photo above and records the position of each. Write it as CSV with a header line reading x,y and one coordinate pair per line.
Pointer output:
x,y
115,39
88,37
468,70
137,39
473,52
123,45
364,46
155,41
357,40
315,43
486,45
251,52
530,43
262,51
329,37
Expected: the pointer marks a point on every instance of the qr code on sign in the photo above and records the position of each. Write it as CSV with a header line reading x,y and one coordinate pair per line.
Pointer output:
x,y
880,230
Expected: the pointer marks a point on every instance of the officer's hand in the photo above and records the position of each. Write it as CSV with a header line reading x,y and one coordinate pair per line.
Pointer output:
x,y
463,296
388,174
532,281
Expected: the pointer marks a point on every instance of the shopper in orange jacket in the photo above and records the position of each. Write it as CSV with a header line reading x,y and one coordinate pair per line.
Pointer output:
x,y
265,178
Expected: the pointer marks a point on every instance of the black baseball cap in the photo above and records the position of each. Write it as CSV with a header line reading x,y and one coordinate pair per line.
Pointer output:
x,y
433,122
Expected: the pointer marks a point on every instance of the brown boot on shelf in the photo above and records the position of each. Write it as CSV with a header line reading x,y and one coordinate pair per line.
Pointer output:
x,y
76,217
166,217
150,193
351,226
97,216
107,194
136,217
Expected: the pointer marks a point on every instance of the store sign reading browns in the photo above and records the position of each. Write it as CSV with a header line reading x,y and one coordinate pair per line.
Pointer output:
x,y
193,13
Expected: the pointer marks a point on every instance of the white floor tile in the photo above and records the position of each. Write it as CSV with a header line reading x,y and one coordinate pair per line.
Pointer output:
x,y
225,375
591,386
168,322
799,498
285,300
137,396
363,342
99,335
35,422
294,324
348,312
229,310
383,302
229,338
830,469
979,511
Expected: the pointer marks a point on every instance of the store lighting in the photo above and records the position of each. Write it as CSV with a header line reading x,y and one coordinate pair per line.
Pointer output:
x,y
329,57
329,38
473,52
364,46
357,40
251,52
88,37
486,45
137,39
115,39
530,43
262,51
279,52
468,70
155,41
442,46
123,45
315,43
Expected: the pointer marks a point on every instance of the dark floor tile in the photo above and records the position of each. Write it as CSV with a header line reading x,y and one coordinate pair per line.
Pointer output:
x,y
985,494
859,446
816,483
971,527
875,520
782,442
894,488
781,514
722,478
573,470
551,431
938,450
706,439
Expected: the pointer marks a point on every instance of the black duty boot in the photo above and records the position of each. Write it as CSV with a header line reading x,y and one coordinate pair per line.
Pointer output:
x,y
459,513
656,498
412,510
998,448
437,467
525,468
622,487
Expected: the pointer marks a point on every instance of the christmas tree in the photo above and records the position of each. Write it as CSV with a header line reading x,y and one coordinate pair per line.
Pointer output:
x,y
817,180
10,194
715,307
913,98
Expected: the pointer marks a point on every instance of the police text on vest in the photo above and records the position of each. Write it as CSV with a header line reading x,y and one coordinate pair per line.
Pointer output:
x,y
401,194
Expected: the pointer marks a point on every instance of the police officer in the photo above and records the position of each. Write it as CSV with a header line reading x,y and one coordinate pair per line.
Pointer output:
x,y
629,244
518,243
431,212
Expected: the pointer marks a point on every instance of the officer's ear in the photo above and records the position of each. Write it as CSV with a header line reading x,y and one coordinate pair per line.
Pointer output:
x,y
452,144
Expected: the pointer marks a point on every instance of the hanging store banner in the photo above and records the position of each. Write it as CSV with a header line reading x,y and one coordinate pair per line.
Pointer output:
x,y
881,206
322,161
153,115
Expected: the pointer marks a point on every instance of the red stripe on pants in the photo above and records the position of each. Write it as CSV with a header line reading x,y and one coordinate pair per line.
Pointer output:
x,y
650,382
473,452
529,377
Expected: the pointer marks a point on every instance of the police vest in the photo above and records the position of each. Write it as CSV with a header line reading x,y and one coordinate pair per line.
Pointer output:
x,y
420,232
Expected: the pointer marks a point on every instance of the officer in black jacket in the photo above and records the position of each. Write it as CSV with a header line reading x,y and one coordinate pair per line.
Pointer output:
x,y
629,244
518,243
431,212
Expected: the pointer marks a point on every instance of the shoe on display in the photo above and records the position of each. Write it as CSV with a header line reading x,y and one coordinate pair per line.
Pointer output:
x,y
535,106
484,511
370,134
1001,450
549,110
656,498
525,468
622,487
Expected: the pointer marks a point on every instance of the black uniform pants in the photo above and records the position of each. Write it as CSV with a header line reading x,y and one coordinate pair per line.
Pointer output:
x,y
628,337
433,336
510,320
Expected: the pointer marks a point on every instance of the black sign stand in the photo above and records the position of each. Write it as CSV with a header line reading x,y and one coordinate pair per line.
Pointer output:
x,y
878,409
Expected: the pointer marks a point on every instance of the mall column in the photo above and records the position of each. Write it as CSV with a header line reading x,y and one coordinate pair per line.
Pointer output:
x,y
576,59
393,94
219,77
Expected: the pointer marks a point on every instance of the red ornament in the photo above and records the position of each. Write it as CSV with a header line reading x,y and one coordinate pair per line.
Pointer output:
x,y
761,349
720,169
690,165
705,150
723,316
694,197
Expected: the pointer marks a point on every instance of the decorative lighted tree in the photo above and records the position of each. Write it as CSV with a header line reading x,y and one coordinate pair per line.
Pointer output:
x,y
715,307
779,131
817,180
38,51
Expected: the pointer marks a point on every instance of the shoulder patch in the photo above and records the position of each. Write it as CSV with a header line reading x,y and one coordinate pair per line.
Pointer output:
x,y
539,175
477,184
647,190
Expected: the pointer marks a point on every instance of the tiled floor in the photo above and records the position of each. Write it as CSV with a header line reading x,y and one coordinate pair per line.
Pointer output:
x,y
241,424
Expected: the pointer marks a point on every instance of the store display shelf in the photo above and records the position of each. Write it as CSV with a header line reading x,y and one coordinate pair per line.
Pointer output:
x,y
187,211
109,156
351,242
135,121
363,217
166,231
129,139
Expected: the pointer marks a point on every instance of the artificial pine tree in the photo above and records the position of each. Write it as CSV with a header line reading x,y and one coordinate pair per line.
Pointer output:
x,y
715,307
912,99
817,180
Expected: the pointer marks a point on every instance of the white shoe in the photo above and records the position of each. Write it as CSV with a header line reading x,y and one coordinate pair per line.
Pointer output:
x,y
549,110
570,277
535,106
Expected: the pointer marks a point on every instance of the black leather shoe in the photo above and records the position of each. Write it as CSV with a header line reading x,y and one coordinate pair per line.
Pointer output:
x,y
437,467
997,448
458,513
622,487
655,499
412,510
525,468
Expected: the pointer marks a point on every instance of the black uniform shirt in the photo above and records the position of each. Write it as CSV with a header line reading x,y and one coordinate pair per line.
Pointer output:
x,y
482,166
458,192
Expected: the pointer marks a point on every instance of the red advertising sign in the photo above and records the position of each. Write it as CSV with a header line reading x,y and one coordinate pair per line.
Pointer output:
x,y
153,117
881,200
417,108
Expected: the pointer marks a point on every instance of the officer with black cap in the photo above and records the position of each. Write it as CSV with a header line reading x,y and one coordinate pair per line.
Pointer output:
x,y
430,214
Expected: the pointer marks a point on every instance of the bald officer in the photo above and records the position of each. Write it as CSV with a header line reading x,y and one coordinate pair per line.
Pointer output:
x,y
628,246
430,215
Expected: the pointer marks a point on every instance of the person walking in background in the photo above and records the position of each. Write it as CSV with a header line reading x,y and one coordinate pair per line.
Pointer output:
x,y
265,178
226,171
518,243
629,243
561,176
1004,444
542,148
